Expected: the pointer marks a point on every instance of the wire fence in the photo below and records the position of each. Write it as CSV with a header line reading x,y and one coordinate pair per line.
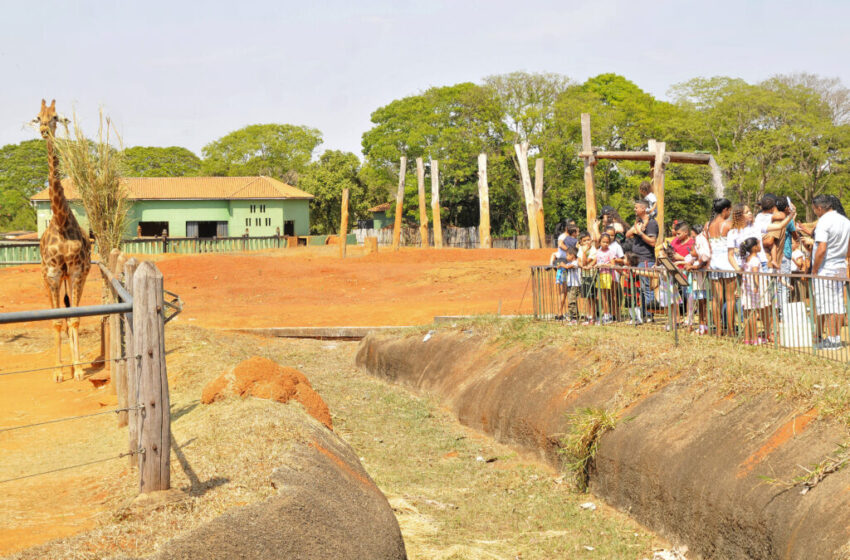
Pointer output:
x,y
798,312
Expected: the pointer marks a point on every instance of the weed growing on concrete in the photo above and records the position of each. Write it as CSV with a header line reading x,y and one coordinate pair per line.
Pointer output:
x,y
812,477
580,444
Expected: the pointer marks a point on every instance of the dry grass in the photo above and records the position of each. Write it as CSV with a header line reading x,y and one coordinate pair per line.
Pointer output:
x,y
95,169
450,505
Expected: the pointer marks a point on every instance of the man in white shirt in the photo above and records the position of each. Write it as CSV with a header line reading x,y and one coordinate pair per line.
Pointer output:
x,y
832,236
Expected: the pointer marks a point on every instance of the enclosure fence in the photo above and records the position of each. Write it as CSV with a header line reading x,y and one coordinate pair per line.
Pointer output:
x,y
137,315
799,312
455,237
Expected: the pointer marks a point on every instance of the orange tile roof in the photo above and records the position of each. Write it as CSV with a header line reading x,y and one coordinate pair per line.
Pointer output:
x,y
194,188
381,207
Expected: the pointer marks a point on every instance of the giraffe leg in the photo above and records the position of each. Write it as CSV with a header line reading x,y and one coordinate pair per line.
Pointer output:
x,y
53,281
77,281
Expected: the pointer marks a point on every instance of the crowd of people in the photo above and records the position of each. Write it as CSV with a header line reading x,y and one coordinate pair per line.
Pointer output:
x,y
734,275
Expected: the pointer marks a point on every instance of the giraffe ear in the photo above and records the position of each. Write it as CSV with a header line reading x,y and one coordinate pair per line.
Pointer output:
x,y
53,104
43,103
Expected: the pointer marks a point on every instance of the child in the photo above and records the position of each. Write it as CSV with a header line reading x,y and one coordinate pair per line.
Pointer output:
x,y
631,291
697,291
587,262
750,289
605,257
556,260
649,196
572,275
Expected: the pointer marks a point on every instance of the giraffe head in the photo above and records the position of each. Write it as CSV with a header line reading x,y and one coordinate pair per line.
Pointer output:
x,y
48,118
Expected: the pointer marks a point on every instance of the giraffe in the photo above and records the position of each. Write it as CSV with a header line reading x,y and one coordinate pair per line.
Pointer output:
x,y
65,248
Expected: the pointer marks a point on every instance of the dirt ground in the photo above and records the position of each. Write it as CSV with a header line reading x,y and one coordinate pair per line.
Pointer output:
x,y
313,287
298,287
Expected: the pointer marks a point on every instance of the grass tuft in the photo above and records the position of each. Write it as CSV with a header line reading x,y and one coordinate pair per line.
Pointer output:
x,y
580,444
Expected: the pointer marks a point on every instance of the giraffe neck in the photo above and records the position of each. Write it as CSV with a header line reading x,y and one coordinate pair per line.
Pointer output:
x,y
58,203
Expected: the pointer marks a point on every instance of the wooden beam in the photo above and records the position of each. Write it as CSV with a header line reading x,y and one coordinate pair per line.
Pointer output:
x,y
399,203
658,188
589,163
484,239
675,157
423,208
435,204
538,200
531,211
132,372
343,224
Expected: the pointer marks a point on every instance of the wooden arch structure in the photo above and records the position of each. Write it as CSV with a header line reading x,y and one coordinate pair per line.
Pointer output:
x,y
658,159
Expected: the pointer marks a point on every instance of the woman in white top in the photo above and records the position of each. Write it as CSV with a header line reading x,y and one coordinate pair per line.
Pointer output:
x,y
721,273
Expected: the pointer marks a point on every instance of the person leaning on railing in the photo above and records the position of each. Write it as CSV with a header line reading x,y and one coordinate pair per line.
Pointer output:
x,y
831,255
644,234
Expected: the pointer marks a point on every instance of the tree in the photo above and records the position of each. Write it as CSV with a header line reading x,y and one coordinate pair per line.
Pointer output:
x,y
23,172
277,150
325,179
149,161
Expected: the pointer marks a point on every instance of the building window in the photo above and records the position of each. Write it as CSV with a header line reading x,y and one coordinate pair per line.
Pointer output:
x,y
262,207
247,221
253,208
256,221
268,221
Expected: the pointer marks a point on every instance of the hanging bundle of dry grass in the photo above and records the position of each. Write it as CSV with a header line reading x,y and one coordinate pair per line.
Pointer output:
x,y
94,167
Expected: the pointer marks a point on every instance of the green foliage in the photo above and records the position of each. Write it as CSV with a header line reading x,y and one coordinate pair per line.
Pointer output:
x,y
149,161
325,179
277,150
23,173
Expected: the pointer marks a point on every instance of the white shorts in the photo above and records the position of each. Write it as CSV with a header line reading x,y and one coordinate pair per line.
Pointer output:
x,y
829,295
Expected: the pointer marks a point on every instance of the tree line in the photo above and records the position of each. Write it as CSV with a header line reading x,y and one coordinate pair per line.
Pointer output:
x,y
789,135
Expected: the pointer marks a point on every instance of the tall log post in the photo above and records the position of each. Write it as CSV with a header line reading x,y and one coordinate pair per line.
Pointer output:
x,y
343,224
531,211
154,418
661,160
117,367
589,164
435,204
485,241
399,203
423,207
538,200
132,370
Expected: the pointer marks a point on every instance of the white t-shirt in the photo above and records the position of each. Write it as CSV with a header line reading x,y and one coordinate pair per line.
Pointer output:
x,y
561,253
618,250
736,237
652,200
834,230
795,256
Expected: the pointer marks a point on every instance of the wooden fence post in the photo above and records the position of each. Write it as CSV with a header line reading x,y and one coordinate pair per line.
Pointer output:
x,y
485,241
423,208
589,164
113,348
661,160
154,421
399,203
435,204
538,200
132,371
343,225
119,366
531,211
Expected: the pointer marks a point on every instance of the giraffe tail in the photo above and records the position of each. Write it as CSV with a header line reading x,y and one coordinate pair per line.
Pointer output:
x,y
67,299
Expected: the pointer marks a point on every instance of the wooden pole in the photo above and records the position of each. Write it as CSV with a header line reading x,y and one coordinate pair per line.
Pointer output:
x,y
531,211
399,203
343,224
132,372
117,367
661,161
423,207
589,163
435,204
485,241
154,420
538,200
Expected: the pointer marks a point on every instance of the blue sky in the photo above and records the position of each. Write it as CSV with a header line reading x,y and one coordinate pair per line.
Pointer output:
x,y
175,73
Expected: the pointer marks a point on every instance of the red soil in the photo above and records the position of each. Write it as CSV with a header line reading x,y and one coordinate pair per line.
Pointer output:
x,y
295,287
264,379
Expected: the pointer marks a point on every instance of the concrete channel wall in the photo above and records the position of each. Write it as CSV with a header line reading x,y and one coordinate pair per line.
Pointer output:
x,y
685,459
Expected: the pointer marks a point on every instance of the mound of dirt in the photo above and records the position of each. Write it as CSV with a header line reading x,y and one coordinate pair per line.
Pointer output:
x,y
265,379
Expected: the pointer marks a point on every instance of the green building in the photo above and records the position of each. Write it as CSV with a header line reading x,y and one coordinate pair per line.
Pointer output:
x,y
380,217
201,207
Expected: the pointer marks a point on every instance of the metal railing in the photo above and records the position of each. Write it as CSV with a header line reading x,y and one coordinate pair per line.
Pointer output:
x,y
799,312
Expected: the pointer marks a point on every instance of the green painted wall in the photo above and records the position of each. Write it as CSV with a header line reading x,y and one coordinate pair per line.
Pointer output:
x,y
380,219
263,221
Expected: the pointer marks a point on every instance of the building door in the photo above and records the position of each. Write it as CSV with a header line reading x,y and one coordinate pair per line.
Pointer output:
x,y
221,229
191,229
289,227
